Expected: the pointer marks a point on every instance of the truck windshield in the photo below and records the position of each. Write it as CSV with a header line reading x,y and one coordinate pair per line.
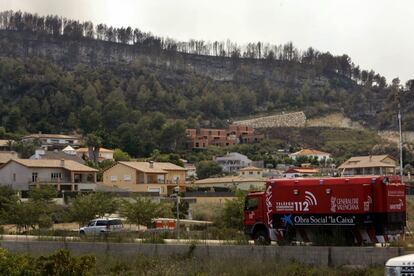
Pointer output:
x,y
251,203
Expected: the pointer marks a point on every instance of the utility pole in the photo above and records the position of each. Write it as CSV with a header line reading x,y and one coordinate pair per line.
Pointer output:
x,y
401,142
178,215
398,96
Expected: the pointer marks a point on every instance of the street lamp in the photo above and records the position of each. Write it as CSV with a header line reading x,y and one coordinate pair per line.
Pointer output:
x,y
398,96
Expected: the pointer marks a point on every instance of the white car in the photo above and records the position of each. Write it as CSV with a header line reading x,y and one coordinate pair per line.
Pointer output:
x,y
102,226
403,265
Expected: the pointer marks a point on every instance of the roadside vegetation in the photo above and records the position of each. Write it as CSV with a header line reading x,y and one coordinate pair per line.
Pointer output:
x,y
39,215
63,263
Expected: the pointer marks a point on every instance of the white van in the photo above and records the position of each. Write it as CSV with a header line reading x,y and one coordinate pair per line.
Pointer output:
x,y
403,265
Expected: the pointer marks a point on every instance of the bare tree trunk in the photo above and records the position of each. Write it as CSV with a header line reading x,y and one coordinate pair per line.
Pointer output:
x,y
96,154
90,152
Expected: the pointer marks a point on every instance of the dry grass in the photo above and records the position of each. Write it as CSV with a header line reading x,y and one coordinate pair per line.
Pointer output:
x,y
333,120
206,211
410,214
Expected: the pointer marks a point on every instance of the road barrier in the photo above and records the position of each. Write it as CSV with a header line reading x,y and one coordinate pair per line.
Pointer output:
x,y
315,255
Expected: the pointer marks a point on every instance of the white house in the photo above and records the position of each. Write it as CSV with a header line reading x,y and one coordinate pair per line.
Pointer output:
x,y
104,154
311,153
233,162
54,141
21,174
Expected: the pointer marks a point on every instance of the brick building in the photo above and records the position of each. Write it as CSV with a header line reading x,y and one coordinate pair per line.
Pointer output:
x,y
234,134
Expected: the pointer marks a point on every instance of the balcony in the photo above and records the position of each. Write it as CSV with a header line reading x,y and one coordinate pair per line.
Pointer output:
x,y
64,186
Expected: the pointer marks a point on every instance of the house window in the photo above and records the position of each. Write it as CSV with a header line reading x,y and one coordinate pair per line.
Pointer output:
x,y
14,177
258,172
114,178
176,179
55,141
154,190
127,177
55,176
250,172
160,179
34,176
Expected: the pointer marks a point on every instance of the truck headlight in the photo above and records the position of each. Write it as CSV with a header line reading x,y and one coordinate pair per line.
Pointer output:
x,y
392,271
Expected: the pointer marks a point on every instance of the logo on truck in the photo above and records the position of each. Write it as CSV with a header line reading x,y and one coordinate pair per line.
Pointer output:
x,y
397,206
269,206
344,204
301,206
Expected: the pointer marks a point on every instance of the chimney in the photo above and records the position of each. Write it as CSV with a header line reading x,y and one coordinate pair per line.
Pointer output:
x,y
62,162
151,164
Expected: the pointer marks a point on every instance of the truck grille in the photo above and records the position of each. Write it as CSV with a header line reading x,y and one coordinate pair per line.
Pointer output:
x,y
407,271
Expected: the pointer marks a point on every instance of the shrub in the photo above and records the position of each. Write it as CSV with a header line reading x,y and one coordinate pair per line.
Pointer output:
x,y
59,263
62,263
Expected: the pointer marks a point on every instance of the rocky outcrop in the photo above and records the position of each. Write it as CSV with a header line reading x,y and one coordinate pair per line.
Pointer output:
x,y
294,119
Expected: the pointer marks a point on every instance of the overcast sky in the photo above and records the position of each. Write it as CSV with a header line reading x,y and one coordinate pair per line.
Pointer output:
x,y
376,34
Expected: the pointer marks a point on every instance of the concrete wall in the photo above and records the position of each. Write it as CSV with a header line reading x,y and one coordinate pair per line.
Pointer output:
x,y
212,200
294,119
320,256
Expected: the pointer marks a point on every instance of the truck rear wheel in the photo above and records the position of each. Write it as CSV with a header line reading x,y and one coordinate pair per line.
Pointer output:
x,y
261,238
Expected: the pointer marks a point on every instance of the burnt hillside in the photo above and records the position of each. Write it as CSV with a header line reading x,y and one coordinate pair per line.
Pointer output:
x,y
64,76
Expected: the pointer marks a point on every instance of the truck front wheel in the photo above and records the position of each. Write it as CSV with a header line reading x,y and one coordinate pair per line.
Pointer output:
x,y
261,238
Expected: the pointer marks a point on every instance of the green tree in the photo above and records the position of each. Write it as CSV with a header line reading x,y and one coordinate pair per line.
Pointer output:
x,y
172,136
94,143
115,110
141,210
206,169
43,194
89,206
24,214
120,155
183,207
8,198
232,213
62,263
89,119
37,211
25,149
42,198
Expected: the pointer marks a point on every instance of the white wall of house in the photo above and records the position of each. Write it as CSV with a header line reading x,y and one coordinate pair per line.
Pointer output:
x,y
251,174
106,155
19,176
15,175
319,156
233,162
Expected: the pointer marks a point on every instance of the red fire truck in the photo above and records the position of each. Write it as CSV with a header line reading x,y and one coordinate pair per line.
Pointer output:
x,y
354,210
